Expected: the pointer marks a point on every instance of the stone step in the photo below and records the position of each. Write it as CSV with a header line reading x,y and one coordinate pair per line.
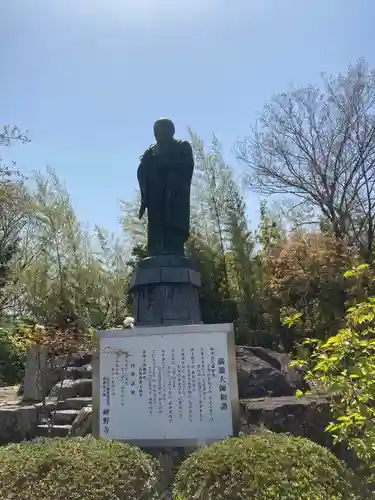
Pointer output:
x,y
64,417
72,388
74,403
44,430
79,372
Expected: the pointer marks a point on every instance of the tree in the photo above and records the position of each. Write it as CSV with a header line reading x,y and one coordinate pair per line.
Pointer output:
x,y
110,305
318,147
225,247
78,278
305,276
14,218
12,133
135,229
216,303
210,184
243,267
15,214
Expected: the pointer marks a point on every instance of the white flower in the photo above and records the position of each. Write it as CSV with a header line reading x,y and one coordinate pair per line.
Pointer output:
x,y
128,322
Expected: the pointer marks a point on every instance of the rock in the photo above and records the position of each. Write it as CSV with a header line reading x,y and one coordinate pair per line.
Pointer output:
x,y
306,417
46,430
36,386
281,361
83,423
74,403
71,388
18,423
57,370
77,372
36,373
81,358
64,366
258,378
63,417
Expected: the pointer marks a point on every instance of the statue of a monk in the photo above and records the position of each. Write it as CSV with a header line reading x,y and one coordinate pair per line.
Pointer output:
x,y
164,175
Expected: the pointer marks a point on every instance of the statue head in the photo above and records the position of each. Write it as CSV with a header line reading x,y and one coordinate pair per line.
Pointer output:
x,y
164,130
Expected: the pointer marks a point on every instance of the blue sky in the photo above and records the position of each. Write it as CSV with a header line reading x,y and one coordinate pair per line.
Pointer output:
x,y
89,77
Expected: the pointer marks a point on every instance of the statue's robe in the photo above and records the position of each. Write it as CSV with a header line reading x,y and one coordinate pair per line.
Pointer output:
x,y
164,178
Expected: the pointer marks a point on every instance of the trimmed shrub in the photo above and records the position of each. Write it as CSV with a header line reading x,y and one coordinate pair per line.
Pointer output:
x,y
264,466
77,469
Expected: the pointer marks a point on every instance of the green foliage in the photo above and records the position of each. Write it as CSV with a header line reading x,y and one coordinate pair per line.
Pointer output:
x,y
264,466
59,273
344,366
215,301
14,340
223,246
76,469
73,275
15,210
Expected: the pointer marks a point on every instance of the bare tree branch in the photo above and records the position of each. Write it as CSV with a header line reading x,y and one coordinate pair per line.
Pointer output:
x,y
318,145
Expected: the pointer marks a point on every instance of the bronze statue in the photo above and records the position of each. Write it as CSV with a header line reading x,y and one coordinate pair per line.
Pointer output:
x,y
164,175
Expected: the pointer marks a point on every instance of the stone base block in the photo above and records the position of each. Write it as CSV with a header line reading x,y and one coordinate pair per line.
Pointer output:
x,y
165,291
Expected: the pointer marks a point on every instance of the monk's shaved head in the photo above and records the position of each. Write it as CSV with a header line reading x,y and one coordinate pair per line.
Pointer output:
x,y
164,129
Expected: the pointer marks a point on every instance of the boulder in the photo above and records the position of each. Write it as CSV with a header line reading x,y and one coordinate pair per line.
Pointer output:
x,y
281,361
56,369
77,372
69,366
81,358
18,423
305,417
82,425
69,388
258,378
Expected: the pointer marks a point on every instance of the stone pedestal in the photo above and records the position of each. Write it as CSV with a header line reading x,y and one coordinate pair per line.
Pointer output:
x,y
36,373
165,290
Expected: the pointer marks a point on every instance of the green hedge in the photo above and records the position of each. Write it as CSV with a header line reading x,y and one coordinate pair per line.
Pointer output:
x,y
76,469
264,466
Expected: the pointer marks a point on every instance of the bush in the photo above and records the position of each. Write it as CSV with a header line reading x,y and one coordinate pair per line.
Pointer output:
x,y
76,469
305,275
12,354
264,466
344,366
